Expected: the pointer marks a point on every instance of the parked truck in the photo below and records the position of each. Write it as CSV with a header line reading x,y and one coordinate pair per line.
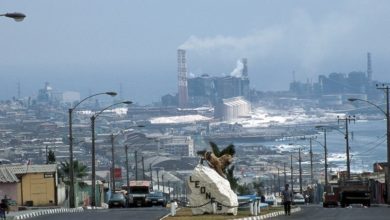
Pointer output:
x,y
137,192
355,191
346,192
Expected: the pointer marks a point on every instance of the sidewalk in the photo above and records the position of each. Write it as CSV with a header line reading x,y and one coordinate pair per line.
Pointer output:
x,y
32,213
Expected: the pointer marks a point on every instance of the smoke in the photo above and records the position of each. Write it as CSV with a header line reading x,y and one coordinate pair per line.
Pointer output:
x,y
237,72
260,39
306,44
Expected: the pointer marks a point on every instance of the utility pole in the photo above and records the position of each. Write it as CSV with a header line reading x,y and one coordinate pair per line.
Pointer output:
x,y
158,180
326,162
162,182
323,128
169,190
151,174
71,163
311,162
284,172
300,172
93,202
347,120
127,170
136,165
47,155
113,162
143,168
292,180
385,88
278,181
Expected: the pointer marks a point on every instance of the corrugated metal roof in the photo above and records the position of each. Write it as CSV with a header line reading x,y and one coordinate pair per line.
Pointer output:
x,y
7,176
21,169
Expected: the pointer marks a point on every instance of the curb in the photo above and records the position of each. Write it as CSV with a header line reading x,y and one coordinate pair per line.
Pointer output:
x,y
259,217
269,215
44,212
169,214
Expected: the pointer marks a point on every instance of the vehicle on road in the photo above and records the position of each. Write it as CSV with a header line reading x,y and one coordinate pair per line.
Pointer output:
x,y
347,191
156,198
298,199
138,191
330,200
117,200
354,192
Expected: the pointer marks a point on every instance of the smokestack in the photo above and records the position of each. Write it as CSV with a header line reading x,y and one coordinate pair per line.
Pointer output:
x,y
369,68
182,78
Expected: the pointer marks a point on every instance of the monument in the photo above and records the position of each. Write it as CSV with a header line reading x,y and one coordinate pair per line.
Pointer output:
x,y
209,190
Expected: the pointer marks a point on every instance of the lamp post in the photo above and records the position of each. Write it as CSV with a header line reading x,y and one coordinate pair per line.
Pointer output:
x,y
71,169
17,16
323,128
93,118
385,88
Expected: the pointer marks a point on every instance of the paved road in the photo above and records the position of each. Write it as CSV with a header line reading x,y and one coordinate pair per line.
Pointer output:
x,y
354,213
151,213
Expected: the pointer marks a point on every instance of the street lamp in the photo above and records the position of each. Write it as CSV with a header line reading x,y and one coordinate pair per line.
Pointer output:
x,y
387,115
93,118
17,16
71,169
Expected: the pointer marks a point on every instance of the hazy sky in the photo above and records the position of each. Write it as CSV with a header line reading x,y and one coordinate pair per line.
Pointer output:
x,y
96,45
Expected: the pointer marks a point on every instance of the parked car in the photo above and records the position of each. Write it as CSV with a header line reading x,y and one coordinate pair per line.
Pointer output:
x,y
117,200
298,199
156,198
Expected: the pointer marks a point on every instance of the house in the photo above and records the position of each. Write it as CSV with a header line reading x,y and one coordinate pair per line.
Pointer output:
x,y
34,185
8,183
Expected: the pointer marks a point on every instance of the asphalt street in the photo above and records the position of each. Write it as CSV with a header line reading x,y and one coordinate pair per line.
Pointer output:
x,y
353,213
151,213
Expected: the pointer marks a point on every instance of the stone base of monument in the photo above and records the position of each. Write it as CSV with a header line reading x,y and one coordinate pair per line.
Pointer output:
x,y
206,186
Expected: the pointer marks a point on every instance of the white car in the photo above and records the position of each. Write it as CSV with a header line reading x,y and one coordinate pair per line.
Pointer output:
x,y
298,199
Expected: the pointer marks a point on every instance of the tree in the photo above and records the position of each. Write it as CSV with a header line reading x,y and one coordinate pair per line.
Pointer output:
x,y
245,189
51,158
79,171
229,172
256,187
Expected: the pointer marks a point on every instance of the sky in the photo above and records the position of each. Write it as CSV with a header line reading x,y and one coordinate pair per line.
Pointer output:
x,y
94,45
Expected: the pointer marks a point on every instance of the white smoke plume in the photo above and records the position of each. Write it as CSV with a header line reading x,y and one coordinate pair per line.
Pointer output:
x,y
301,42
237,72
258,39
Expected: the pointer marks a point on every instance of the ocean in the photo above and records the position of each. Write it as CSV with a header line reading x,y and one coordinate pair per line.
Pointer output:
x,y
367,141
